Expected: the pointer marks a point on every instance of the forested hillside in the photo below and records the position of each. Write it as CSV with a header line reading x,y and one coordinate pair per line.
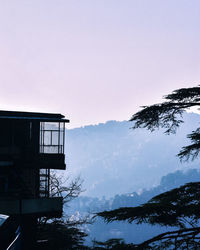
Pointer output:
x,y
113,159
130,232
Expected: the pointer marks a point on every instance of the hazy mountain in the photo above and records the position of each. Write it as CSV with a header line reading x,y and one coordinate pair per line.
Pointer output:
x,y
113,159
130,232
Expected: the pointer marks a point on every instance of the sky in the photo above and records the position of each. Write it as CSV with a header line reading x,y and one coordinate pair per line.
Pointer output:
x,y
96,60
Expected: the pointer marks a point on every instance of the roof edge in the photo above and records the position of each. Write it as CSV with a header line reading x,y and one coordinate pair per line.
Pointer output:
x,y
28,115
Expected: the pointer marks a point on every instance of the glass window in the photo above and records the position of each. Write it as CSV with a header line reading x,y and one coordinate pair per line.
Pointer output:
x,y
52,137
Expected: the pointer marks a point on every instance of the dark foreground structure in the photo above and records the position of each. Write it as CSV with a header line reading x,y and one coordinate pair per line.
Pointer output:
x,y
30,145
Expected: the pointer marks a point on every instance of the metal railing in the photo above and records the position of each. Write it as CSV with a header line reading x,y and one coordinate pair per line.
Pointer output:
x,y
15,244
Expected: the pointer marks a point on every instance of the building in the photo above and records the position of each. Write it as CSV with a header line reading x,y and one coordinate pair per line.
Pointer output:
x,y
31,144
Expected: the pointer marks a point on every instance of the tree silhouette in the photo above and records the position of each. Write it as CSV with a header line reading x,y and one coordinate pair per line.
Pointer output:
x,y
168,115
179,207
65,232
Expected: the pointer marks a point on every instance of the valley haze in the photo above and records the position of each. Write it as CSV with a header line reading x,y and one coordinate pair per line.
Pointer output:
x,y
112,158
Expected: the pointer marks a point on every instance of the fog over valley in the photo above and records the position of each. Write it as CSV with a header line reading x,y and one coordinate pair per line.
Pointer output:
x,y
112,158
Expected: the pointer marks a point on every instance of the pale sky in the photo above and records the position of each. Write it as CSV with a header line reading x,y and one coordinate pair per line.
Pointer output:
x,y
96,60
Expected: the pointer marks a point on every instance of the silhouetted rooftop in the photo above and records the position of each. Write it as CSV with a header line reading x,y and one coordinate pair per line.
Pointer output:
x,y
51,117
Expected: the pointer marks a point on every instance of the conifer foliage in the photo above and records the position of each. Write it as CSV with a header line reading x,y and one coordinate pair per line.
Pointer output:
x,y
168,115
180,207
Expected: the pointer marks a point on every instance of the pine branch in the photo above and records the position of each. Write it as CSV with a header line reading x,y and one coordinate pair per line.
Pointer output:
x,y
172,235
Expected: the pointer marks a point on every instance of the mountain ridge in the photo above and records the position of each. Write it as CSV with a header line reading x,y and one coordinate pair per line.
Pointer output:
x,y
113,159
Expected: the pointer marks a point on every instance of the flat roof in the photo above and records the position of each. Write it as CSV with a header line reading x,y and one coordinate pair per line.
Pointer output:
x,y
51,117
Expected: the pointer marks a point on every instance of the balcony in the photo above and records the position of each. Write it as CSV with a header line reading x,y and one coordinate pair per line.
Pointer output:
x,y
39,206
51,161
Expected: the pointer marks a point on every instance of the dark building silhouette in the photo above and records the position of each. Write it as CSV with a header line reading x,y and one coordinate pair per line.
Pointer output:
x,y
30,145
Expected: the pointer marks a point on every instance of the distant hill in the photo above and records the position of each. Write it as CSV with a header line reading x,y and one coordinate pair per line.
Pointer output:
x,y
113,159
130,232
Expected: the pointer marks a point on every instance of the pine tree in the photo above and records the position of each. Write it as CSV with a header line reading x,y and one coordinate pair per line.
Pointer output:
x,y
179,207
